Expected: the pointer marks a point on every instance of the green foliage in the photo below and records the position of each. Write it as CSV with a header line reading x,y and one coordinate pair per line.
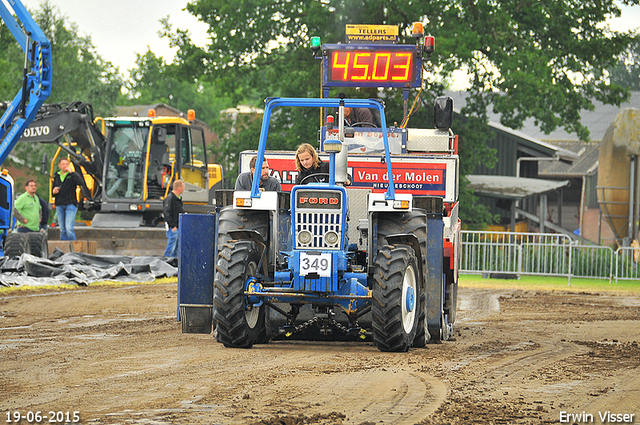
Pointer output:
x,y
10,67
79,73
236,135
626,73
155,81
530,58
539,59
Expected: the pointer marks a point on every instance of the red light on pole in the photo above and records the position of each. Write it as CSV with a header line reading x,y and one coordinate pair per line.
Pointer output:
x,y
429,44
329,122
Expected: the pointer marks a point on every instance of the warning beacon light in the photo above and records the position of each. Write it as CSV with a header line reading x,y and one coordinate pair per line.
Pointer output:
x,y
329,122
418,30
332,146
429,44
315,44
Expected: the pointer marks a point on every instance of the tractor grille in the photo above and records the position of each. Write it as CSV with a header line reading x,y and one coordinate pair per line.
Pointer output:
x,y
318,223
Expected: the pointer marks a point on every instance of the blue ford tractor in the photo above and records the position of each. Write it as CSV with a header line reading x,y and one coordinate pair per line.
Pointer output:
x,y
286,264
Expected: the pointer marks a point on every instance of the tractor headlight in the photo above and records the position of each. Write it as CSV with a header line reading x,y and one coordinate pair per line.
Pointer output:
x,y
304,237
331,238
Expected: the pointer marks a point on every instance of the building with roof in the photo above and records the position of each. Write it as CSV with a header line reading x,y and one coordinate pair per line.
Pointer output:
x,y
560,156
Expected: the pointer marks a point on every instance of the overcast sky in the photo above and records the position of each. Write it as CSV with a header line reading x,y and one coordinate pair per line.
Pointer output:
x,y
121,28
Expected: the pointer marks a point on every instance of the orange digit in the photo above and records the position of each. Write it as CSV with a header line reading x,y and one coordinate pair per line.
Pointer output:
x,y
406,66
376,58
364,67
336,65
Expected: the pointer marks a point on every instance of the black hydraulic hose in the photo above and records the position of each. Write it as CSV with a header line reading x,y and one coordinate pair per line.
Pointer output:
x,y
25,76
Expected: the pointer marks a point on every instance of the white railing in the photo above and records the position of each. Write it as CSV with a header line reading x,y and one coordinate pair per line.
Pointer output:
x,y
544,254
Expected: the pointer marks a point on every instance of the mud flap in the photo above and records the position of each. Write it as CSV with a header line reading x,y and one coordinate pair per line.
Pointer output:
x,y
435,288
196,265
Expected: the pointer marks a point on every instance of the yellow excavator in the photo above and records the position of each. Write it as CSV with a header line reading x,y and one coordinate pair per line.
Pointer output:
x,y
129,163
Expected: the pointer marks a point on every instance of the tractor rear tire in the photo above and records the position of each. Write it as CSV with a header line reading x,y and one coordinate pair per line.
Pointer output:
x,y
16,244
396,289
413,223
38,244
238,324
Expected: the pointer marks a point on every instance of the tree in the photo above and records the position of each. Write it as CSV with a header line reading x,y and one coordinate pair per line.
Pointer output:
x,y
627,72
10,68
528,58
79,73
155,81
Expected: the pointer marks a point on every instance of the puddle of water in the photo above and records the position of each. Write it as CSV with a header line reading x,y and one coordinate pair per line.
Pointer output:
x,y
158,416
15,327
96,336
488,303
558,388
103,321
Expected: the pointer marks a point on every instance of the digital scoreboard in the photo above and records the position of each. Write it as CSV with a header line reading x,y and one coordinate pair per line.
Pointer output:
x,y
371,65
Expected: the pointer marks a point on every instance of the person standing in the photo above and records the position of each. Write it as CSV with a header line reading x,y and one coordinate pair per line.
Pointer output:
x,y
245,180
28,211
172,208
65,182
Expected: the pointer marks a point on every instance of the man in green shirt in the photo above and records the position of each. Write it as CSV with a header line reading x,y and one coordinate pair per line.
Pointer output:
x,y
27,210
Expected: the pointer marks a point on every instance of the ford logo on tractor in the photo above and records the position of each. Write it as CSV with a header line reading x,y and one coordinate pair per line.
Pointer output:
x,y
315,199
319,201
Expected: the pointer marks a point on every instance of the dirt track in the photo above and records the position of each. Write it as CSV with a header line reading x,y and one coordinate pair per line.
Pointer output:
x,y
116,355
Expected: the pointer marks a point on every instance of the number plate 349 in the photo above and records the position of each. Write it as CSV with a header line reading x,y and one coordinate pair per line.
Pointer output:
x,y
318,263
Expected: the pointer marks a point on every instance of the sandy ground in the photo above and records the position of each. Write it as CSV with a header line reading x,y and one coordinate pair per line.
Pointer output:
x,y
115,355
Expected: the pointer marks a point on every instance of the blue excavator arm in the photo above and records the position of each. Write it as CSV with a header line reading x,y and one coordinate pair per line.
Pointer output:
x,y
36,85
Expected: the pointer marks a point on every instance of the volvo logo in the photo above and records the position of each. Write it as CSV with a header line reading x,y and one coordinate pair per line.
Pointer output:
x,y
42,130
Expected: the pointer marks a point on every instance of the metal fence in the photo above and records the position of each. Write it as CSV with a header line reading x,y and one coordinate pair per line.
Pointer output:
x,y
627,264
545,254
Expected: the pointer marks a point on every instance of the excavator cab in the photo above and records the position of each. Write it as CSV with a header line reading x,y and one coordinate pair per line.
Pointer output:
x,y
125,165
144,156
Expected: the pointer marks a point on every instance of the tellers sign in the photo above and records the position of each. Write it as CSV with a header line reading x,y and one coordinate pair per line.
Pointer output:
x,y
372,66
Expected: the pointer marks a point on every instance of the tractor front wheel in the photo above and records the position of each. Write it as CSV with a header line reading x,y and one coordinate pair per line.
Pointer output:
x,y
238,324
396,295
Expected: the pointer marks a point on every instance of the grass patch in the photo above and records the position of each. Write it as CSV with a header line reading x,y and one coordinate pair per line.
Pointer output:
x,y
551,283
6,290
125,283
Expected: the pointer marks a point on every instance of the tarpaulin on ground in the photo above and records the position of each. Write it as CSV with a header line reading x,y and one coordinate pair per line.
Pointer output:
x,y
82,269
